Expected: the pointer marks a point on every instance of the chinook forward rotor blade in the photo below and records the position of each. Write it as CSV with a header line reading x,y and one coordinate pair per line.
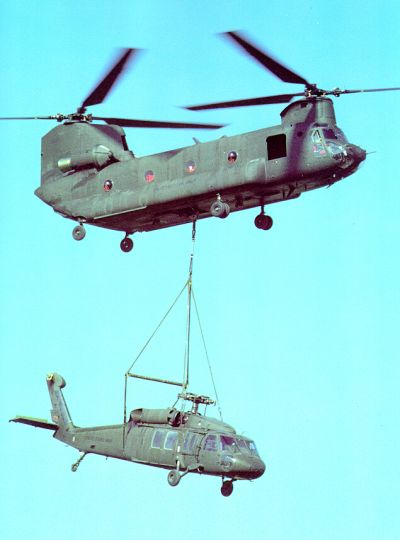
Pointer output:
x,y
275,67
339,92
127,122
99,93
267,100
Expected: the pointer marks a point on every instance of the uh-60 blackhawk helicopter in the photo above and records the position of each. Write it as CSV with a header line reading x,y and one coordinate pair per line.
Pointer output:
x,y
169,438
176,439
88,173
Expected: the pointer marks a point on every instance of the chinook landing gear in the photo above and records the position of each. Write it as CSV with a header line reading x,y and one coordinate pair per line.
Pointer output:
x,y
126,244
79,232
227,488
219,208
262,221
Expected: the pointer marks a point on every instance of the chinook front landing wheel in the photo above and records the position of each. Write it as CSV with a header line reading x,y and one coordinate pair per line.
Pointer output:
x,y
79,232
174,477
264,222
227,488
126,244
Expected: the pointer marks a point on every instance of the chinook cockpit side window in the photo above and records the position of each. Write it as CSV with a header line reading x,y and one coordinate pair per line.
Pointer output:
x,y
318,146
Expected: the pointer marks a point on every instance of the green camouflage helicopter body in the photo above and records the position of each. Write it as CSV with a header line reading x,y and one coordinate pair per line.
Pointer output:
x,y
89,174
179,441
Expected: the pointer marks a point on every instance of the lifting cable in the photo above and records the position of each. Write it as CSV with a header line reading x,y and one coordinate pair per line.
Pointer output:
x,y
128,373
189,285
208,358
185,384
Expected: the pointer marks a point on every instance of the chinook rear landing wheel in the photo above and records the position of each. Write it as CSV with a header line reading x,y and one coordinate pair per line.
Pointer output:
x,y
220,209
227,488
126,244
264,222
174,477
79,232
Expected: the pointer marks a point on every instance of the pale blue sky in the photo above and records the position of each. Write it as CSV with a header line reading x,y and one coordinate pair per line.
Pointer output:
x,y
301,322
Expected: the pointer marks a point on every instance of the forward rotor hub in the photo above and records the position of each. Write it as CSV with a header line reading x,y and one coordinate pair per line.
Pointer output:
x,y
73,117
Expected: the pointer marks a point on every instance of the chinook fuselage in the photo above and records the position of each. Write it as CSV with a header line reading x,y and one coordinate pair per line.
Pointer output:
x,y
90,175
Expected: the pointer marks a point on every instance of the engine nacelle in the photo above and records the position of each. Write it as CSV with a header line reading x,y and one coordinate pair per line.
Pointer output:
x,y
98,157
56,379
72,146
156,416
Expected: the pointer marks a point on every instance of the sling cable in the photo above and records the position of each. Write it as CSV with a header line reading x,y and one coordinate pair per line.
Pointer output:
x,y
184,395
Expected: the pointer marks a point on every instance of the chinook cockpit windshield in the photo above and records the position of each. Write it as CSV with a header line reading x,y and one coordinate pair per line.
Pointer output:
x,y
329,141
334,134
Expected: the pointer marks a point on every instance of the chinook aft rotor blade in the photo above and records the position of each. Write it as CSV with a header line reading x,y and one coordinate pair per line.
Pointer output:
x,y
275,67
28,118
99,93
126,122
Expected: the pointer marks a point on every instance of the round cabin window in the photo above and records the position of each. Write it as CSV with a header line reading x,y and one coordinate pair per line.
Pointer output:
x,y
149,176
107,186
232,156
190,167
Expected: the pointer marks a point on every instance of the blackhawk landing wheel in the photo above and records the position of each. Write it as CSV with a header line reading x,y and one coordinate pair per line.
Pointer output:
x,y
174,478
227,488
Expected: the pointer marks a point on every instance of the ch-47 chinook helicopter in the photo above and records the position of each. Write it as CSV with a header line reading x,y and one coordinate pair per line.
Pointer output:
x,y
88,173
169,438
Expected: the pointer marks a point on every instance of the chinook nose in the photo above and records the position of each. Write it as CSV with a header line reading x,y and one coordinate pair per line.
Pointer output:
x,y
358,154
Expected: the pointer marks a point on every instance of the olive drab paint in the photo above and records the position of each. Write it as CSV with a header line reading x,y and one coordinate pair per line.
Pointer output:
x,y
177,440
89,174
